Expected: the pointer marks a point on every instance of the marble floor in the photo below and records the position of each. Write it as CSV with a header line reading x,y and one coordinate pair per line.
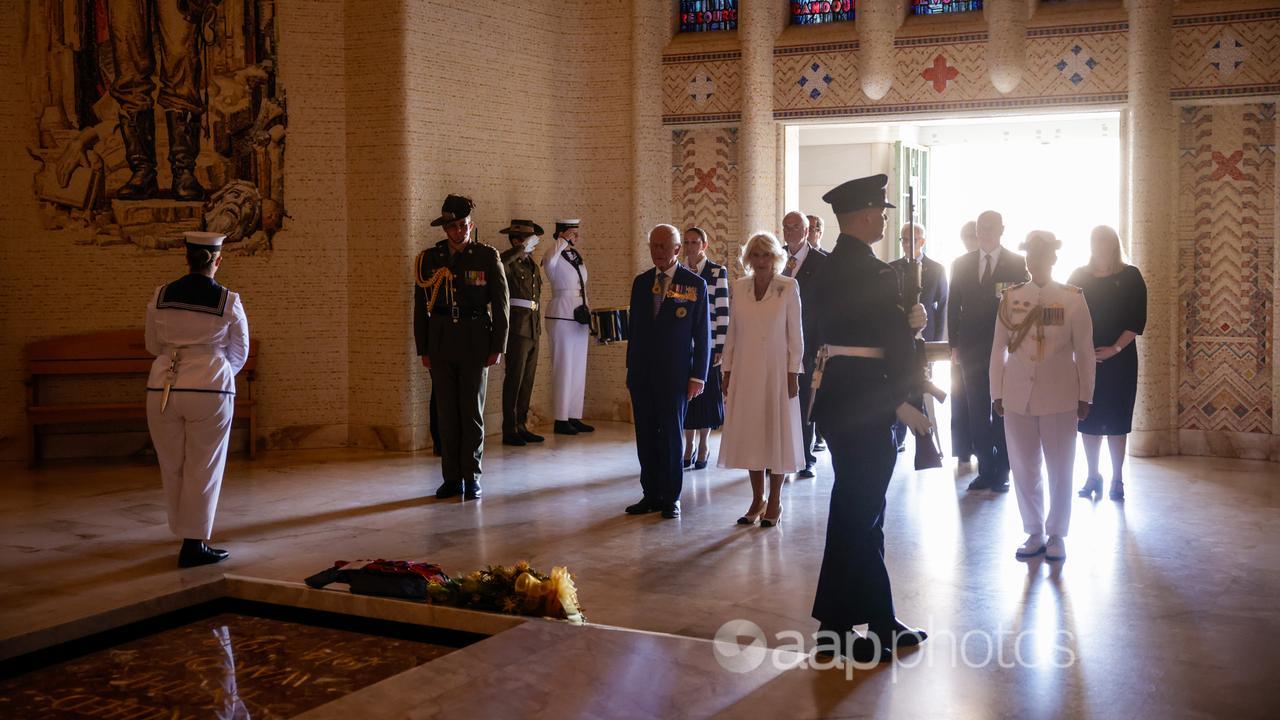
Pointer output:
x,y
1165,606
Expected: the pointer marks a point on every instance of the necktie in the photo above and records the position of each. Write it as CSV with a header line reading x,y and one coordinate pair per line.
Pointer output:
x,y
791,266
986,270
661,293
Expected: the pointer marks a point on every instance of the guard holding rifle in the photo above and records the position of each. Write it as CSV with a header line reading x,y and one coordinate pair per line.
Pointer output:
x,y
460,328
913,276
860,386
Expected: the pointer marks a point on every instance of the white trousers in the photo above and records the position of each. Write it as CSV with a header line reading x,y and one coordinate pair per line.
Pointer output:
x,y
1027,436
191,438
568,367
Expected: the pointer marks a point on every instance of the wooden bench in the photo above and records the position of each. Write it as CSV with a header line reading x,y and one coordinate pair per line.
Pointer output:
x,y
113,353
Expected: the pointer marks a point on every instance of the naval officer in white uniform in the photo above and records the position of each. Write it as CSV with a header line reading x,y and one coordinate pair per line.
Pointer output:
x,y
199,334
1042,374
568,325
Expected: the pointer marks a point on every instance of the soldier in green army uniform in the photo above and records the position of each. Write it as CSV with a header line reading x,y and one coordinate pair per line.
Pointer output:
x,y
460,316
525,284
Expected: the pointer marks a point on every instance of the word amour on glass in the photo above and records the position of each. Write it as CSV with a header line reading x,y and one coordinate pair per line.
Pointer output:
x,y
708,15
815,12
937,7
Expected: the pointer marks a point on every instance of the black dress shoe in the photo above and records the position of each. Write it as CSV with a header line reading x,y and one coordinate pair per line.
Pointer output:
x,y
515,440
531,437
866,650
195,552
472,490
642,507
671,511
580,426
564,427
903,636
1000,486
980,483
448,490
806,473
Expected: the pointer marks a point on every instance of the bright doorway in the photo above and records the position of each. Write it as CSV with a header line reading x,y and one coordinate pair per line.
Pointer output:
x,y
1060,173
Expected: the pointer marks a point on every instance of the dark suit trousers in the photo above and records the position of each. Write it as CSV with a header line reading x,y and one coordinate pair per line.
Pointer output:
x,y
961,438
806,427
434,411
659,416
985,427
517,385
853,584
460,389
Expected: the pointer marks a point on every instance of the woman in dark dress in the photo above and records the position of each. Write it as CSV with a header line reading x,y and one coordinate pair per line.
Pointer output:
x,y
706,412
1117,298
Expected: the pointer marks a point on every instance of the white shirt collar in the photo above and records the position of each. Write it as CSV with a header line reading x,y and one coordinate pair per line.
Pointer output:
x,y
698,269
669,272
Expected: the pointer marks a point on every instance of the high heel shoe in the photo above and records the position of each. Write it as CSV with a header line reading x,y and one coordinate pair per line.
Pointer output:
x,y
1117,490
1092,486
701,463
751,517
688,463
767,521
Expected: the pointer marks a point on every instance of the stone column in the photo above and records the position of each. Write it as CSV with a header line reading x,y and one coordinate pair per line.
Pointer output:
x,y
759,22
1006,42
1152,208
651,30
877,23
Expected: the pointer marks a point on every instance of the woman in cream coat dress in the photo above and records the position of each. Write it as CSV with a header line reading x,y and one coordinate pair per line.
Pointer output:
x,y
761,363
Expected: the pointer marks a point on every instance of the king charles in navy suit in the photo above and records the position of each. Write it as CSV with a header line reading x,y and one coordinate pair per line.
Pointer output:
x,y
668,353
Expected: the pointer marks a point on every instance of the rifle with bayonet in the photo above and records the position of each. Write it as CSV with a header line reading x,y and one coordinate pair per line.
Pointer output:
x,y
923,391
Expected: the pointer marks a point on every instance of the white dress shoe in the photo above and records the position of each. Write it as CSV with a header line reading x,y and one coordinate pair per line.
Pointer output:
x,y
1031,548
1056,549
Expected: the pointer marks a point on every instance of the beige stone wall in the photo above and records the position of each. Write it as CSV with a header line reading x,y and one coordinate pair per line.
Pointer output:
x,y
296,296
391,105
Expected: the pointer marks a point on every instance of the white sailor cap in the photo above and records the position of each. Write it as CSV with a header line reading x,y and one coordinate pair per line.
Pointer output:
x,y
566,224
212,241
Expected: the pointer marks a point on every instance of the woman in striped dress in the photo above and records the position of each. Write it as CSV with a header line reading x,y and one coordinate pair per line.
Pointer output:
x,y
706,412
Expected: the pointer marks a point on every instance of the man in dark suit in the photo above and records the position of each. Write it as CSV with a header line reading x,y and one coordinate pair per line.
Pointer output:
x,y
933,295
977,279
668,354
803,264
961,438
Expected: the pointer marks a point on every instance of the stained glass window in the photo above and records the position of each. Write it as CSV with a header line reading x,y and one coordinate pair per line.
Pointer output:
x,y
705,15
814,12
937,7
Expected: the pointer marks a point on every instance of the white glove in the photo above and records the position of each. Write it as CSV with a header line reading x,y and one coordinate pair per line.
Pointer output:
x,y
530,243
916,317
914,419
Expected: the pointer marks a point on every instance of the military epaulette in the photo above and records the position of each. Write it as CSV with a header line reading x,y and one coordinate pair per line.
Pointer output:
x,y
1011,286
1072,288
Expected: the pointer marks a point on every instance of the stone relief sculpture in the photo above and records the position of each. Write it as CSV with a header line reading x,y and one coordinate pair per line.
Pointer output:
x,y
152,118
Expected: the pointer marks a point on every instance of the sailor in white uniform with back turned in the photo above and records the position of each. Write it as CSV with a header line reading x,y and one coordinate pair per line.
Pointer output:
x,y
568,325
198,332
